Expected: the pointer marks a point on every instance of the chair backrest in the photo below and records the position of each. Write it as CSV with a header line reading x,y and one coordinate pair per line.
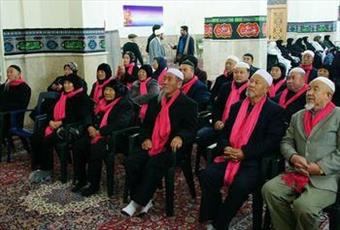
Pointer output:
x,y
43,96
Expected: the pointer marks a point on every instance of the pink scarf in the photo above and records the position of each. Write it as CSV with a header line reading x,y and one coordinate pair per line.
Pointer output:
x,y
295,180
143,90
234,97
59,111
187,86
307,69
162,128
284,103
106,109
98,91
226,73
242,130
274,88
161,77
17,82
129,68
309,121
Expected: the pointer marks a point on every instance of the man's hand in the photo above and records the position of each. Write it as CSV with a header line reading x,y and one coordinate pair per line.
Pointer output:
x,y
92,131
219,125
233,154
300,164
176,143
147,144
314,169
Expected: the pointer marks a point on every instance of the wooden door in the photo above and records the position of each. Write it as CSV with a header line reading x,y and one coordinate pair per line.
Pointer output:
x,y
277,22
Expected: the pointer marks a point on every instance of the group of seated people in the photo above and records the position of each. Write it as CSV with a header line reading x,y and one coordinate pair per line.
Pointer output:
x,y
255,113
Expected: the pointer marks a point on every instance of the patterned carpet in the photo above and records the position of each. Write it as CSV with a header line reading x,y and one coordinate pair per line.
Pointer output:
x,y
53,206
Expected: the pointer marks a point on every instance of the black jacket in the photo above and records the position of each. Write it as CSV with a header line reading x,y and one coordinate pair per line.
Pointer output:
x,y
127,78
266,137
133,47
183,118
199,92
14,97
219,104
220,80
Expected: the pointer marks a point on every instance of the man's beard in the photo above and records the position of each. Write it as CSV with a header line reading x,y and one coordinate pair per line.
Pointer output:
x,y
249,93
309,106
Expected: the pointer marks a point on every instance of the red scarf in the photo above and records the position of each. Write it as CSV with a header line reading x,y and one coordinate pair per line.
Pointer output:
x,y
59,111
161,77
162,128
295,180
234,97
17,82
106,108
143,90
307,69
242,130
310,122
98,91
274,88
283,102
187,86
226,73
129,68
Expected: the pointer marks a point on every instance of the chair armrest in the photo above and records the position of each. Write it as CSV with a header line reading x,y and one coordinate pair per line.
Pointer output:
x,y
210,152
133,141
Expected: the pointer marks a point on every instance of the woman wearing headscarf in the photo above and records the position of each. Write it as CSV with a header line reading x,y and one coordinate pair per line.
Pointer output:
x,y
66,122
160,66
278,73
113,112
128,73
104,76
144,89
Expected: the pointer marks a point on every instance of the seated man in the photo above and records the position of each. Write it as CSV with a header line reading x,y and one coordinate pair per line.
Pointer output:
x,y
311,146
193,87
170,126
254,129
307,59
249,59
292,99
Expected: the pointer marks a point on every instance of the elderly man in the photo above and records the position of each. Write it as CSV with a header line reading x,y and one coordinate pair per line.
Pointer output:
x,y
307,59
169,126
292,99
311,146
193,87
254,129
227,75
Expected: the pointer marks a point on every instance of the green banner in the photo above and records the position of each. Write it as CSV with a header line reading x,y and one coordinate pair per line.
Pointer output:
x,y
249,27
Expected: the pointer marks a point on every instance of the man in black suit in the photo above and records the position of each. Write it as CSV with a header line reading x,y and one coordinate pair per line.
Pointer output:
x,y
169,126
254,129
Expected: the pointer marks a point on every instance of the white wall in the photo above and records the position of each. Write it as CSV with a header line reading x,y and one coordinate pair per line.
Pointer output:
x,y
175,13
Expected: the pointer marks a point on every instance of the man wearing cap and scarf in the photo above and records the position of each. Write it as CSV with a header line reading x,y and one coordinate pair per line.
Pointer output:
x,y
312,147
293,98
193,87
133,47
307,59
254,130
65,124
156,48
227,76
169,126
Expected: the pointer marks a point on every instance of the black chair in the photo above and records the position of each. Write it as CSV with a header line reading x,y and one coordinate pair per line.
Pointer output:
x,y
184,164
270,167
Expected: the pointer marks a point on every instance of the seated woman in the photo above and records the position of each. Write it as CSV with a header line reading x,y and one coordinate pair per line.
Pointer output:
x,y
160,67
69,68
144,89
127,73
70,114
104,76
15,94
278,73
113,112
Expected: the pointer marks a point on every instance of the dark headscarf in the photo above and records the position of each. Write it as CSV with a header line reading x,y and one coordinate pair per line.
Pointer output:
x,y
76,81
161,66
147,69
120,89
283,70
106,68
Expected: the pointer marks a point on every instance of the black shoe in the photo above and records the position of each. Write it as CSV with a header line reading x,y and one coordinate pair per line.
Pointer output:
x,y
78,187
89,191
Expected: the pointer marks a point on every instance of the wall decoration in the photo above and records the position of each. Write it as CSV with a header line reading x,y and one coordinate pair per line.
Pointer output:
x,y
248,27
142,15
312,27
59,40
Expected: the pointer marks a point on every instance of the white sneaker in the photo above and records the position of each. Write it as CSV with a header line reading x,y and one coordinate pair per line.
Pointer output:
x,y
146,208
130,209
210,227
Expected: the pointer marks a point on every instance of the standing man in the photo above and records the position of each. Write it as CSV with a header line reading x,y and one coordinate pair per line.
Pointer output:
x,y
312,147
154,28
249,59
156,48
185,46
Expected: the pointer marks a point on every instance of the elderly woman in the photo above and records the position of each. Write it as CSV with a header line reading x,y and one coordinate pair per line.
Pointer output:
x,y
113,112
278,72
144,89
70,114
127,73
160,67
104,76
